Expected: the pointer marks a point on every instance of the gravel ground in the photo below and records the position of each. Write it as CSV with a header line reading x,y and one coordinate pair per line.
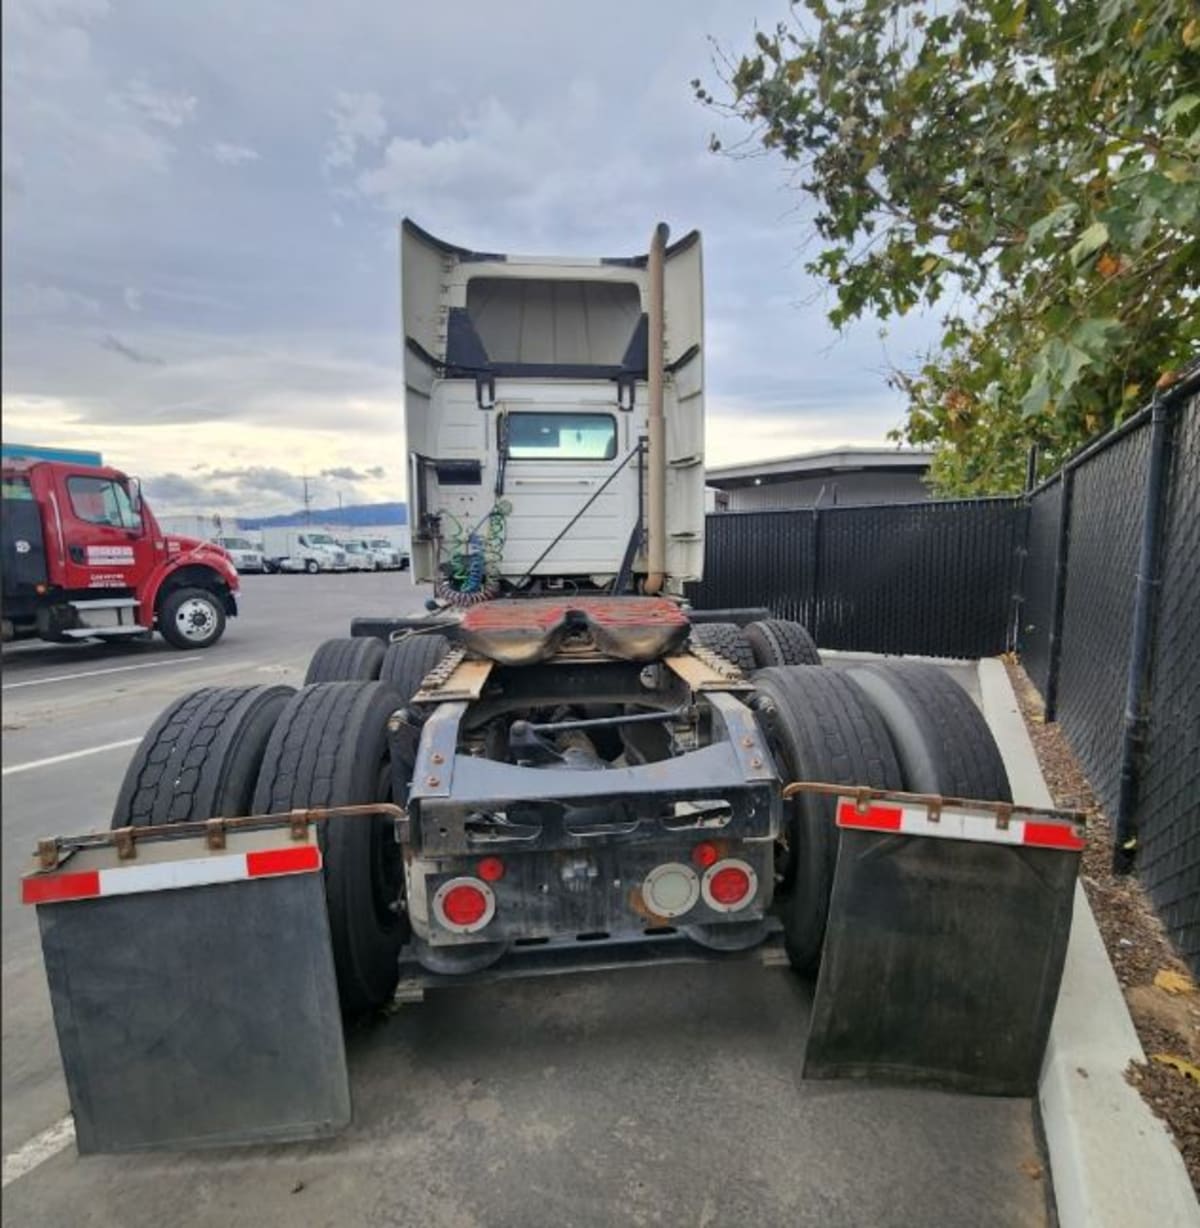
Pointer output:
x,y
1163,1000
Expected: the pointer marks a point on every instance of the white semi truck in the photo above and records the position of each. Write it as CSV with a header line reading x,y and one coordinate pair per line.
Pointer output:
x,y
560,768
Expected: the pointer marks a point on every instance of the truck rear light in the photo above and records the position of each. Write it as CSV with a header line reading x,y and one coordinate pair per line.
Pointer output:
x,y
490,869
464,905
729,885
671,889
704,854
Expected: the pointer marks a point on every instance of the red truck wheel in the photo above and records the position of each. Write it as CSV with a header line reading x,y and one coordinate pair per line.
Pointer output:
x,y
191,618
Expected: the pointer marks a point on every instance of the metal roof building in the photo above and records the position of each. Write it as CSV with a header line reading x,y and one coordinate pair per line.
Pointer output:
x,y
825,479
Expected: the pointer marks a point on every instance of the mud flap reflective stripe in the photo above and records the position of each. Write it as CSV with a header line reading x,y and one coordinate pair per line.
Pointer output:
x,y
196,872
207,1016
943,955
957,823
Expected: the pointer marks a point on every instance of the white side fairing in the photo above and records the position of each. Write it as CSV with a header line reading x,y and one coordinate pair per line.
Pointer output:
x,y
525,391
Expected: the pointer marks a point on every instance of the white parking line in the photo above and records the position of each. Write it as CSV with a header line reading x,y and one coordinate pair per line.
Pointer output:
x,y
92,673
74,754
39,1149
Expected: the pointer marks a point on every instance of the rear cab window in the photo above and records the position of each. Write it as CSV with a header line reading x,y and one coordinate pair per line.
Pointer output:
x,y
561,436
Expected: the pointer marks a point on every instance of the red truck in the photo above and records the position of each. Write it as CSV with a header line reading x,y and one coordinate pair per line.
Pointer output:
x,y
84,558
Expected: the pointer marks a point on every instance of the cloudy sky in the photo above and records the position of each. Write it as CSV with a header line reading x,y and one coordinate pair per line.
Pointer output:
x,y
201,206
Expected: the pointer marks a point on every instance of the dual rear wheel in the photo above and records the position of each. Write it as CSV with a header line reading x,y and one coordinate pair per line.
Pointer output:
x,y
888,725
231,751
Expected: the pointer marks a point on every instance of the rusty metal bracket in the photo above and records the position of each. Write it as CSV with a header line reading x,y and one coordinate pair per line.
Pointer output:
x,y
52,851
124,840
455,677
706,671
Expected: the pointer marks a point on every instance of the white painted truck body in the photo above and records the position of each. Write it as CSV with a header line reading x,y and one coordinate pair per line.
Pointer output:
x,y
295,549
549,354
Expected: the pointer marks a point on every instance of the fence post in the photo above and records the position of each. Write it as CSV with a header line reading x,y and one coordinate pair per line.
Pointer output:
x,y
812,619
1020,554
1062,550
1125,841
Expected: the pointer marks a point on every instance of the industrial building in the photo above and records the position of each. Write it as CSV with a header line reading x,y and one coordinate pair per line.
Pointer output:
x,y
823,479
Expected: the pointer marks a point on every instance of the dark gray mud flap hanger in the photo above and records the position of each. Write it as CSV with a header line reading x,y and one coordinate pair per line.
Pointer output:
x,y
946,938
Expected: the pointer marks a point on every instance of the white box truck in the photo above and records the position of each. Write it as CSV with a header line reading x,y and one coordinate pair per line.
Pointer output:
x,y
310,550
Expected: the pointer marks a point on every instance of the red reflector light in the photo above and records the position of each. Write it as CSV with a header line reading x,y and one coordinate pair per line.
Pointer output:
x,y
704,854
464,904
729,885
490,869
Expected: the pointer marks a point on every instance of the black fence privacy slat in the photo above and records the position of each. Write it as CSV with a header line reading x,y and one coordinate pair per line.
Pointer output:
x,y
932,579
946,578
1169,785
759,558
1104,534
1039,582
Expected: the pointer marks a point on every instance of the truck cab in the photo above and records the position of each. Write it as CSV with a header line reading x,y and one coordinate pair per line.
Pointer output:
x,y
245,554
528,412
84,558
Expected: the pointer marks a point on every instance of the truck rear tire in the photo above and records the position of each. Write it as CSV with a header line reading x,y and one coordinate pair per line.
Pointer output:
x,y
345,660
941,739
727,640
200,759
330,747
407,661
819,726
775,641
191,617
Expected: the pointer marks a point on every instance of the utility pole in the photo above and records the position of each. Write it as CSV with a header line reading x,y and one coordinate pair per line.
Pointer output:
x,y
340,520
307,501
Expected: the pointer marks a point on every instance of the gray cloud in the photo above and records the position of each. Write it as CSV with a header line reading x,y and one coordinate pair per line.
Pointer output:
x,y
116,346
173,489
229,154
345,473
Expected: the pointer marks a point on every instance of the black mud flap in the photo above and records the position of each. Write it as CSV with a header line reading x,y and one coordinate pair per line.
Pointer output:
x,y
945,945
193,993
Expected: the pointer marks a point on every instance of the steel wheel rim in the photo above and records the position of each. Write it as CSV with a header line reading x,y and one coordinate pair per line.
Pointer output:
x,y
196,619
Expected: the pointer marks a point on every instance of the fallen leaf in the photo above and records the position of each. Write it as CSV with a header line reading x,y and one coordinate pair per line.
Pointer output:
x,y
1189,1070
1174,982
1032,1169
297,1187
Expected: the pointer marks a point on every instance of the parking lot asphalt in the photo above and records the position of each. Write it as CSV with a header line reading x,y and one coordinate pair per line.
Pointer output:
x,y
665,1096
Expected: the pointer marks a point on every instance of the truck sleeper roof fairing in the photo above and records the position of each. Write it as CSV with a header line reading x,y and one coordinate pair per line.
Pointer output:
x,y
469,313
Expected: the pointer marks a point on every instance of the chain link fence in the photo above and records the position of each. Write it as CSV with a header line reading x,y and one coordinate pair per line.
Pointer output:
x,y
1084,580
1169,792
1104,531
1040,581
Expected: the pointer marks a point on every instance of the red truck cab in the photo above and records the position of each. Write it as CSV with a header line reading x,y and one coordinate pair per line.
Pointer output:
x,y
84,558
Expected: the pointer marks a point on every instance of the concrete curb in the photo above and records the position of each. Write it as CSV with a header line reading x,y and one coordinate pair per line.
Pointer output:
x,y
1112,1161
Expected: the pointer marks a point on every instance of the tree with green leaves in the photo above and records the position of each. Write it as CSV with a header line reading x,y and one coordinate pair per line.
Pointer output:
x,y
1035,162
